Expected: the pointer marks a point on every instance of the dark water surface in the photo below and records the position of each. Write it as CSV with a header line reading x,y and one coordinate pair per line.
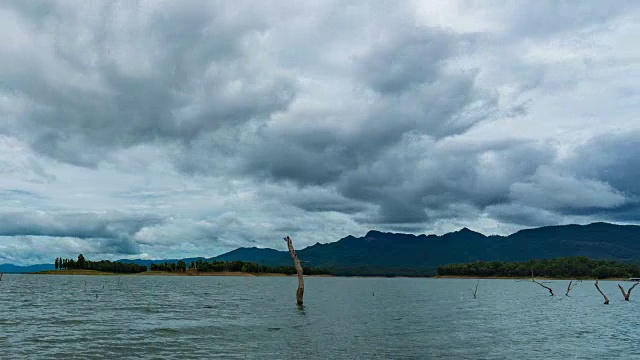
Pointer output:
x,y
46,317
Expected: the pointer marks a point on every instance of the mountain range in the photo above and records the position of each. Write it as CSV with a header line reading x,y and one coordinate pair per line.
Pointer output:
x,y
380,253
383,253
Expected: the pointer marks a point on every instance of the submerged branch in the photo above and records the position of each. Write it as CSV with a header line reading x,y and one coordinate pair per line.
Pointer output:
x,y
476,289
569,288
546,287
628,293
606,299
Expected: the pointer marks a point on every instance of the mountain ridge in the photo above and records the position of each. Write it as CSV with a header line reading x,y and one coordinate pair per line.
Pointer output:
x,y
407,254
388,253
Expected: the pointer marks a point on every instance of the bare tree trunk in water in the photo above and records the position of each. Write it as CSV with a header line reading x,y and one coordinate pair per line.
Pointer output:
x,y
3,274
569,288
476,290
292,251
546,287
606,299
628,293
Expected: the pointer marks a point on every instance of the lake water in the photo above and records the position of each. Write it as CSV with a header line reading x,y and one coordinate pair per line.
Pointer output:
x,y
343,318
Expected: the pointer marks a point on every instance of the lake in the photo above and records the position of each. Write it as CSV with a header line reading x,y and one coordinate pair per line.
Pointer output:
x,y
176,317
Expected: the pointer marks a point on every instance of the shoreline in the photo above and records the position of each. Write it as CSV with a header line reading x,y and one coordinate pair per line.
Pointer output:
x,y
525,278
245,274
164,273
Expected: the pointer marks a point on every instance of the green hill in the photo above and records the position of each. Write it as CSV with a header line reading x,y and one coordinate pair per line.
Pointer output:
x,y
379,253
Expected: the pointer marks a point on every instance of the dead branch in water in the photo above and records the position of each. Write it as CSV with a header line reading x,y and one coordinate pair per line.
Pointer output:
x,y
474,292
606,299
296,261
569,288
1,276
546,287
628,293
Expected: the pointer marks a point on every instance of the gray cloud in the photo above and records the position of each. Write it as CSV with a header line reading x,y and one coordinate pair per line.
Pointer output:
x,y
407,61
113,232
137,77
523,215
429,175
403,89
553,191
612,159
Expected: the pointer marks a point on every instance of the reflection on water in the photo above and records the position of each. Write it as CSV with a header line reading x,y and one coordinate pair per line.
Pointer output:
x,y
343,318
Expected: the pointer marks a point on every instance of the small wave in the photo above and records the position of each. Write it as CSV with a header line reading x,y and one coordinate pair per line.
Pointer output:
x,y
165,331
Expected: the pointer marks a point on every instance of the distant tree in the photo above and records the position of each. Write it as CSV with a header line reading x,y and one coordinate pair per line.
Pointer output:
x,y
559,267
56,264
181,266
102,265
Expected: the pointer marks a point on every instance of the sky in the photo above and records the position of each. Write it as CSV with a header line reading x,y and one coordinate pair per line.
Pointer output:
x,y
164,129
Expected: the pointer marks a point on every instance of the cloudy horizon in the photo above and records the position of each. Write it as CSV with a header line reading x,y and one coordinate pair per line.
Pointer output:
x,y
159,129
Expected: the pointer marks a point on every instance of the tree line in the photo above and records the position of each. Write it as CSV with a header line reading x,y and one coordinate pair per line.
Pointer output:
x,y
180,266
201,265
102,265
574,267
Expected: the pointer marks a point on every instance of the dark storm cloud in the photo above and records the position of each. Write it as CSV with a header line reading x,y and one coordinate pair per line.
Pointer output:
x,y
407,61
565,193
523,215
109,232
608,166
201,75
320,200
156,78
405,89
613,159
202,84
598,180
72,233
424,175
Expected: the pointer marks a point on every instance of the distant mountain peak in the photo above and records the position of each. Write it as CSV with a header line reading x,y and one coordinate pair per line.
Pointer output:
x,y
466,230
372,233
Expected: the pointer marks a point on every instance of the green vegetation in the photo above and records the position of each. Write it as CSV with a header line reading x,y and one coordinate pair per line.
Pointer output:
x,y
102,265
233,266
567,267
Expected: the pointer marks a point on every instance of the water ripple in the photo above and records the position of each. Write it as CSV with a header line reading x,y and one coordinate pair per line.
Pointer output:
x,y
85,317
